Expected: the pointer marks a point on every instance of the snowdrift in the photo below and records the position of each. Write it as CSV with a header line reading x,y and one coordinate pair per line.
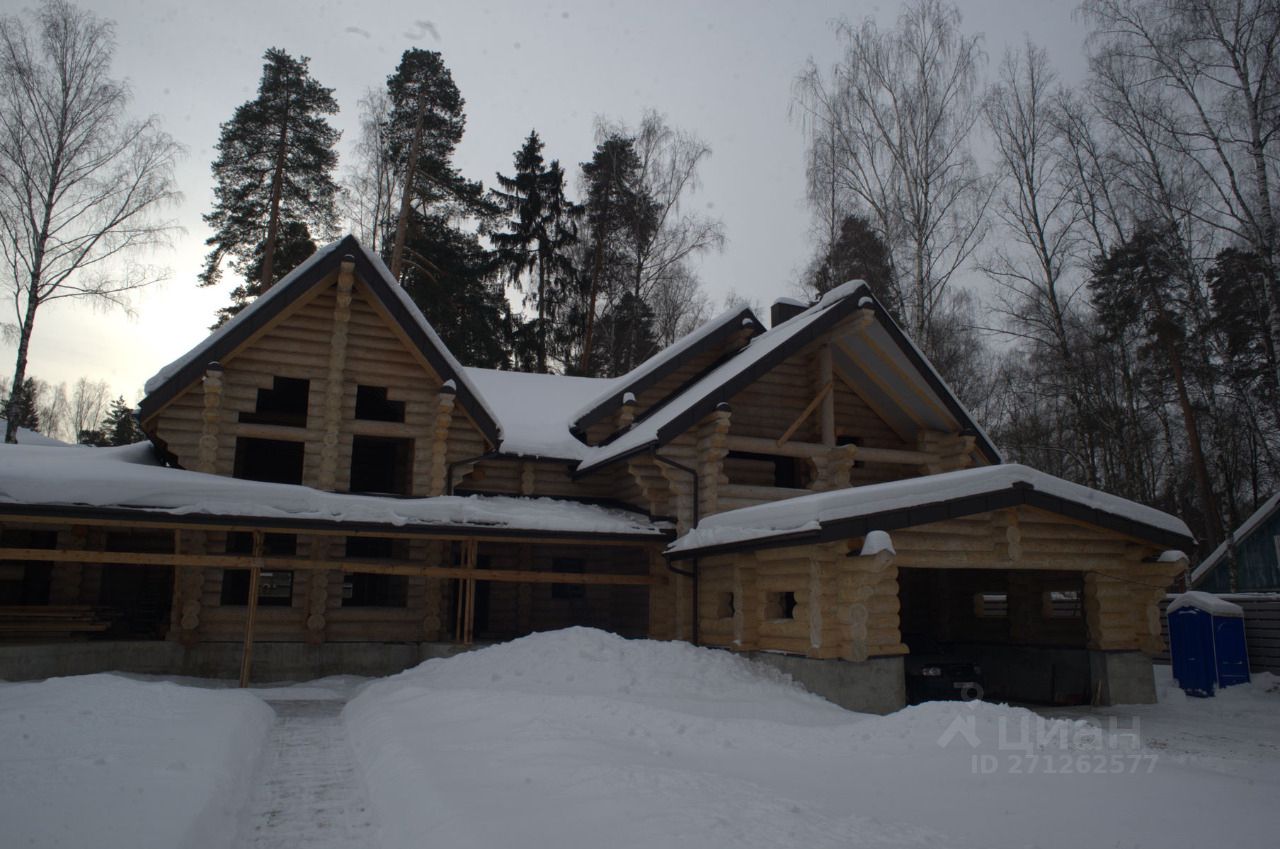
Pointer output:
x,y
582,739
107,761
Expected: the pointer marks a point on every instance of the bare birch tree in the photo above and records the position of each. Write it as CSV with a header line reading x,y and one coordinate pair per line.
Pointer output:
x,y
79,183
899,108
371,185
88,402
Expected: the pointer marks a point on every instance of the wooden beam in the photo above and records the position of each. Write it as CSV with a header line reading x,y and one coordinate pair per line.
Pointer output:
x,y
808,411
387,567
270,527
255,573
904,378
889,392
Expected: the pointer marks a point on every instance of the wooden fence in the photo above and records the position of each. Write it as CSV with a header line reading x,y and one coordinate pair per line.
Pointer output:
x,y
1261,629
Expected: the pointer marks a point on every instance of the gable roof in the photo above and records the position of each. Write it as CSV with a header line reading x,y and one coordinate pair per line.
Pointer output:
x,y
888,346
1247,527
845,513
709,337
190,367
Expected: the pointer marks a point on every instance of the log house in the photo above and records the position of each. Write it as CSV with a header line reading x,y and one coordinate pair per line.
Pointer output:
x,y
326,482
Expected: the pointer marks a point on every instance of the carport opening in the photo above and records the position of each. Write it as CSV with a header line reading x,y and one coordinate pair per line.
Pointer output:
x,y
1006,635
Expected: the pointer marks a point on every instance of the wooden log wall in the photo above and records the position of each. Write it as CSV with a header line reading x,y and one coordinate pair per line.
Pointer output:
x,y
337,338
849,606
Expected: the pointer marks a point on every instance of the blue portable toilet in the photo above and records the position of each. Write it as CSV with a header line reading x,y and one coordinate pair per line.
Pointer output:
x,y
1206,639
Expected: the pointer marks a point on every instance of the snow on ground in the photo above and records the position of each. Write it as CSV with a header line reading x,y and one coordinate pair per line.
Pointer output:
x,y
105,761
582,739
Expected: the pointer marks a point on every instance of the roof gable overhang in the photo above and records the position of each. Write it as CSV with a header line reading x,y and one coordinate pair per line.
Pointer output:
x,y
220,344
880,345
713,336
999,495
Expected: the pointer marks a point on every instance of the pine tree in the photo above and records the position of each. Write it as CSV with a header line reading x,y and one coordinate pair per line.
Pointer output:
x,y
442,266
274,183
424,128
540,233
1137,290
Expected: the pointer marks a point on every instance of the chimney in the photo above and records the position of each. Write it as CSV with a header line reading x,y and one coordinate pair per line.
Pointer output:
x,y
785,309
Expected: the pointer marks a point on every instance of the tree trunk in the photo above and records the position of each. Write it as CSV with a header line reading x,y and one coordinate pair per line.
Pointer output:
x,y
542,313
584,364
20,367
1213,521
277,190
402,220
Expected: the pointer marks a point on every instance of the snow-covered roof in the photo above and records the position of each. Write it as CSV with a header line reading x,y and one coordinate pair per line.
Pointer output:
x,y
531,409
185,370
131,478
897,504
715,331
1207,602
1247,527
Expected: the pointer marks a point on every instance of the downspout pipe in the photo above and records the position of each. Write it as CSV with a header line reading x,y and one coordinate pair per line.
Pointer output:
x,y
692,573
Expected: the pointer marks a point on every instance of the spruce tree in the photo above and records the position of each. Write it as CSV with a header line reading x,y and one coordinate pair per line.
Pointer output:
x,y
119,426
21,405
540,231
273,177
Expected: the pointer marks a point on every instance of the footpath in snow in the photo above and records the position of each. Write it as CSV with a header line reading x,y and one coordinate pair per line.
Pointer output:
x,y
307,791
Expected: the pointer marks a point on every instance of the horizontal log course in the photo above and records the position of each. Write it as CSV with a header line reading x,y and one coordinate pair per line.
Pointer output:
x,y
232,561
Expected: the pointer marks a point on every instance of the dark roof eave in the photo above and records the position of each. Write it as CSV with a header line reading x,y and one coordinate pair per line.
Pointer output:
x,y
731,326
923,514
72,512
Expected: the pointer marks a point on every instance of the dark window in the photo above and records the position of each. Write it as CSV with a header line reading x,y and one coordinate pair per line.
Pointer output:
x,y
363,590
285,403
725,607
381,465
1062,604
374,548
780,606
26,582
273,545
568,591
789,472
851,440
275,589
991,605
372,405
375,590
272,460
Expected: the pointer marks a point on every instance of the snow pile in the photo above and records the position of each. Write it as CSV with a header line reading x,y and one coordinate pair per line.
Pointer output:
x,y
583,739
128,477
105,761
27,436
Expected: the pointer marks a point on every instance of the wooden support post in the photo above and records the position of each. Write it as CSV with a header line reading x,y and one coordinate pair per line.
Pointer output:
x,y
255,573
210,420
334,384
825,379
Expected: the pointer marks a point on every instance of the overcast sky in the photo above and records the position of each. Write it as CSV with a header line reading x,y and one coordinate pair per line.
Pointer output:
x,y
723,70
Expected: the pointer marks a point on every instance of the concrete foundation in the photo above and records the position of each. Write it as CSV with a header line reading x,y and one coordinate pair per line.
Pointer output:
x,y
271,661
1122,677
875,685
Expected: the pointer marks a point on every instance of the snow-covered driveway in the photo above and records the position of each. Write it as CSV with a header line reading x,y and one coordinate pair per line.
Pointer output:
x,y
579,739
